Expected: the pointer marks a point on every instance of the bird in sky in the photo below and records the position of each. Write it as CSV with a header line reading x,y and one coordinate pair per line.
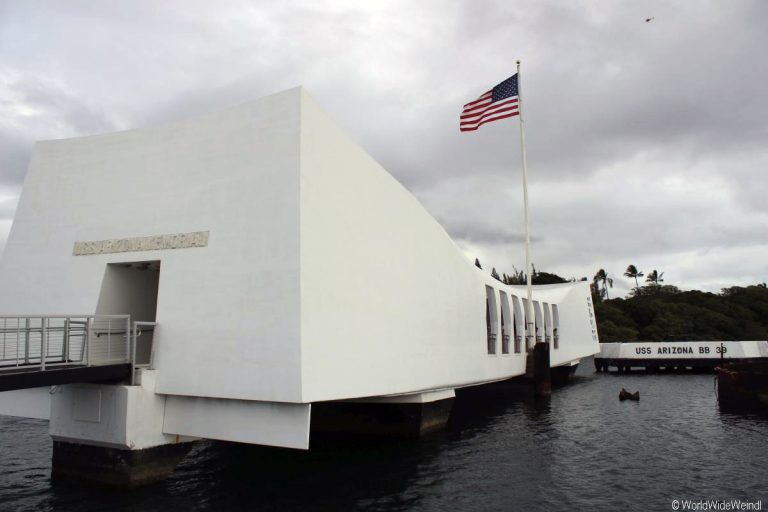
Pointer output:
x,y
649,19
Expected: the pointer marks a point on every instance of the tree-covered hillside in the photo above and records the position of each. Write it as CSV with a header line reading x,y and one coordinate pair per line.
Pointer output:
x,y
656,313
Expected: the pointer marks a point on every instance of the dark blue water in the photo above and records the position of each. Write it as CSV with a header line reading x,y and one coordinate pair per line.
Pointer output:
x,y
583,450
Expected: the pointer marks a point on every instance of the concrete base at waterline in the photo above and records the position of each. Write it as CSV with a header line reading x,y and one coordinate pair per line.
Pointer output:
x,y
562,375
542,373
408,420
114,467
743,387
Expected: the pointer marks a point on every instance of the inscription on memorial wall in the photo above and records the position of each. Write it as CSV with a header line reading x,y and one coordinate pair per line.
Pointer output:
x,y
142,243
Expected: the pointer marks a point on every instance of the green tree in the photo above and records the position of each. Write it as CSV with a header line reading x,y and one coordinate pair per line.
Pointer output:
x,y
609,332
632,272
495,274
654,277
547,278
518,277
602,278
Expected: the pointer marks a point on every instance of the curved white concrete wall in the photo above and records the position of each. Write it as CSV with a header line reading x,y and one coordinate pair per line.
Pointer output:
x,y
389,303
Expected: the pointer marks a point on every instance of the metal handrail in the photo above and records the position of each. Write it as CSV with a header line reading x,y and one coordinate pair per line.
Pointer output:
x,y
63,316
136,334
44,341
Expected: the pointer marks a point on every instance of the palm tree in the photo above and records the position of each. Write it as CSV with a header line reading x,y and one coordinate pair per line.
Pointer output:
x,y
602,277
633,272
654,277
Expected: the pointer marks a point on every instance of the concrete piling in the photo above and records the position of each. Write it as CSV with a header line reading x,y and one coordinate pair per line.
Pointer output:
x,y
542,376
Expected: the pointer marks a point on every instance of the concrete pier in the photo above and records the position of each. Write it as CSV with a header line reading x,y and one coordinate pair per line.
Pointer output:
x,y
696,356
542,377
113,434
114,467
743,387
562,375
409,416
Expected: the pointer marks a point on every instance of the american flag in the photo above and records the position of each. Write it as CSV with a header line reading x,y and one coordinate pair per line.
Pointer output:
x,y
500,102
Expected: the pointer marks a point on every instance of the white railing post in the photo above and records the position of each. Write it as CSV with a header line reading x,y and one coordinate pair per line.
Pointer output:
x,y
87,341
43,342
18,338
65,349
109,339
133,354
130,348
152,348
26,342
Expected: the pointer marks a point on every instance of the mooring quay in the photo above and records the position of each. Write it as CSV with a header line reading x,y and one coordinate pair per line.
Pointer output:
x,y
678,355
247,276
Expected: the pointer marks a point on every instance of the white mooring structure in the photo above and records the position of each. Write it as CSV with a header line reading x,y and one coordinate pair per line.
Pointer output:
x,y
215,278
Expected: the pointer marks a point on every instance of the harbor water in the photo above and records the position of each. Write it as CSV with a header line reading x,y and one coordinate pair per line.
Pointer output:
x,y
581,450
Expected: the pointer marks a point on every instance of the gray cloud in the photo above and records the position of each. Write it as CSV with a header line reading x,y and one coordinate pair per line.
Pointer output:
x,y
645,140
36,108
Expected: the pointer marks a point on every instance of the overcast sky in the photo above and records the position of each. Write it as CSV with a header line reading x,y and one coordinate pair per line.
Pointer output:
x,y
647,141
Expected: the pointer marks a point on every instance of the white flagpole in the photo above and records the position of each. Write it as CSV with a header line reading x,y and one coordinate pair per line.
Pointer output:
x,y
529,306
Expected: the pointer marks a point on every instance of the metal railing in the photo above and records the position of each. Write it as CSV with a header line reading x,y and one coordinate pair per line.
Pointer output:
x,y
142,347
39,342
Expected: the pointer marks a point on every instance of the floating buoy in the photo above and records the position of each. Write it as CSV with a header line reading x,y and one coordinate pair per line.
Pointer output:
x,y
626,395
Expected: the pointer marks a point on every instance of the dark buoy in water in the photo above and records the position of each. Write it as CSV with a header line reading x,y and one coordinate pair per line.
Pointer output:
x,y
626,395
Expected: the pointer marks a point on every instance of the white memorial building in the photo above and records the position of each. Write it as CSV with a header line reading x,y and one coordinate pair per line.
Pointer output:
x,y
276,266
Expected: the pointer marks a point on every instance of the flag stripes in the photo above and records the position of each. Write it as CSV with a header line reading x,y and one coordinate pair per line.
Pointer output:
x,y
500,102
